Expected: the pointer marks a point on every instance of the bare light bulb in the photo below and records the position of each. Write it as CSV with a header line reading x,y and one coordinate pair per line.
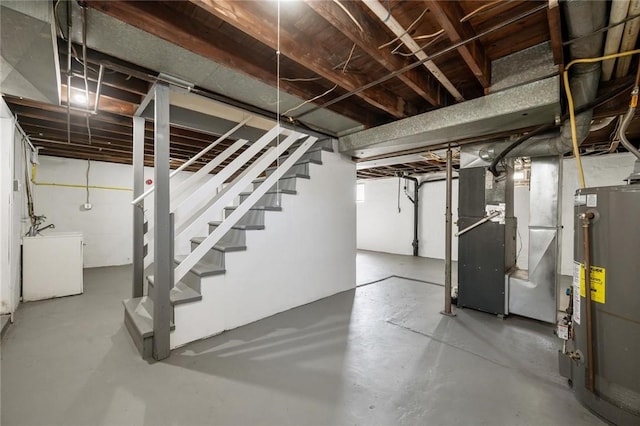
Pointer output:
x,y
79,98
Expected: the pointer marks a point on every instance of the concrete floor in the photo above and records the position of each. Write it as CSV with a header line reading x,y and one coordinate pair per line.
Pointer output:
x,y
380,354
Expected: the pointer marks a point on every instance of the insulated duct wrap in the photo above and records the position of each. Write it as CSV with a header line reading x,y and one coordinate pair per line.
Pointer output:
x,y
582,18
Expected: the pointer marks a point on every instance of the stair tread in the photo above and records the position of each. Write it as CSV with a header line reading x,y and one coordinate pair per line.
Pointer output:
x,y
266,208
221,246
299,162
318,146
261,179
180,293
203,268
271,191
239,227
141,318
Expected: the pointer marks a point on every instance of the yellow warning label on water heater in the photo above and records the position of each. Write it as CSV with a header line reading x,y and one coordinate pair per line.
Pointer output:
x,y
598,283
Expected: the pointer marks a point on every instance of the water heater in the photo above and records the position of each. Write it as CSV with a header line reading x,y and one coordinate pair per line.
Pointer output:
x,y
601,355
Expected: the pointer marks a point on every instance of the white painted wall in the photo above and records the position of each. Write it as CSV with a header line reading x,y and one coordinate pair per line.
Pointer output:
x,y
6,176
107,228
306,252
13,217
382,228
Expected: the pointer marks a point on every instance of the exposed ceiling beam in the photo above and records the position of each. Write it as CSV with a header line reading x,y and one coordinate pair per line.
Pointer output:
x,y
256,19
369,38
449,15
159,20
382,13
390,161
112,105
110,92
555,32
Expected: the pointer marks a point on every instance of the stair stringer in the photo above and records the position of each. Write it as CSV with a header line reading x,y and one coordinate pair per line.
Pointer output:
x,y
305,253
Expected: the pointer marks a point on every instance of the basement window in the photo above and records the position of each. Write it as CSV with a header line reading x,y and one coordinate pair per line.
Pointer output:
x,y
360,193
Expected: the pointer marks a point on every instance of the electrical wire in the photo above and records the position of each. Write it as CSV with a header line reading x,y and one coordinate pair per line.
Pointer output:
x,y
87,181
388,11
421,49
419,62
405,31
520,248
85,72
572,114
69,46
428,36
615,141
335,86
278,102
482,9
399,181
300,79
355,21
56,20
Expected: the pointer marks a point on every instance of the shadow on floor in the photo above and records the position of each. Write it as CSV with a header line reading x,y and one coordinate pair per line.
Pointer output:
x,y
286,352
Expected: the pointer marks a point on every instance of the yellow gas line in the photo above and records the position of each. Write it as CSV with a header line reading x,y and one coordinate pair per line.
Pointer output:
x,y
572,115
69,185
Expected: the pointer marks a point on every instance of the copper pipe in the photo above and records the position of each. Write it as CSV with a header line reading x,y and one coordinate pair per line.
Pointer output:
x,y
591,377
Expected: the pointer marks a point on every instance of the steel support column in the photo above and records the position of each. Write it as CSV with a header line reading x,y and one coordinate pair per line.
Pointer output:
x,y
163,261
447,240
138,210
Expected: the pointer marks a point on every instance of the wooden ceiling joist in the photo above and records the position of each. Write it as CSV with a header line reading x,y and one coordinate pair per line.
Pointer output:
x,y
109,104
257,20
161,21
555,32
368,36
449,15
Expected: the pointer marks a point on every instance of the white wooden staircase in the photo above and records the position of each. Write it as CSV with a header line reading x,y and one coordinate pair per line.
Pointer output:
x,y
188,290
205,258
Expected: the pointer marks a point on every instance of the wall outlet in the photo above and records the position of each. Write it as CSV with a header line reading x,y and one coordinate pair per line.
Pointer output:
x,y
86,206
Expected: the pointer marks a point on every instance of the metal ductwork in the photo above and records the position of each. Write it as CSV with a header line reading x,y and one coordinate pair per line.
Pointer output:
x,y
29,53
582,18
532,293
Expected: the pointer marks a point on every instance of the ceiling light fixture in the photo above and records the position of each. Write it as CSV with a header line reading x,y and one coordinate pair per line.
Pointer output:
x,y
79,98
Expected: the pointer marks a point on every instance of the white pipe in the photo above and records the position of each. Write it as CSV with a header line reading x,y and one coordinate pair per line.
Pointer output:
x,y
619,11
629,38
383,14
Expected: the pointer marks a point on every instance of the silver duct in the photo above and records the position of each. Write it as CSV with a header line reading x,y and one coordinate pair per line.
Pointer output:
x,y
583,17
533,293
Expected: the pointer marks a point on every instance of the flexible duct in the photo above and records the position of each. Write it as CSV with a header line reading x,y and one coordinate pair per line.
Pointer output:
x,y
583,18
